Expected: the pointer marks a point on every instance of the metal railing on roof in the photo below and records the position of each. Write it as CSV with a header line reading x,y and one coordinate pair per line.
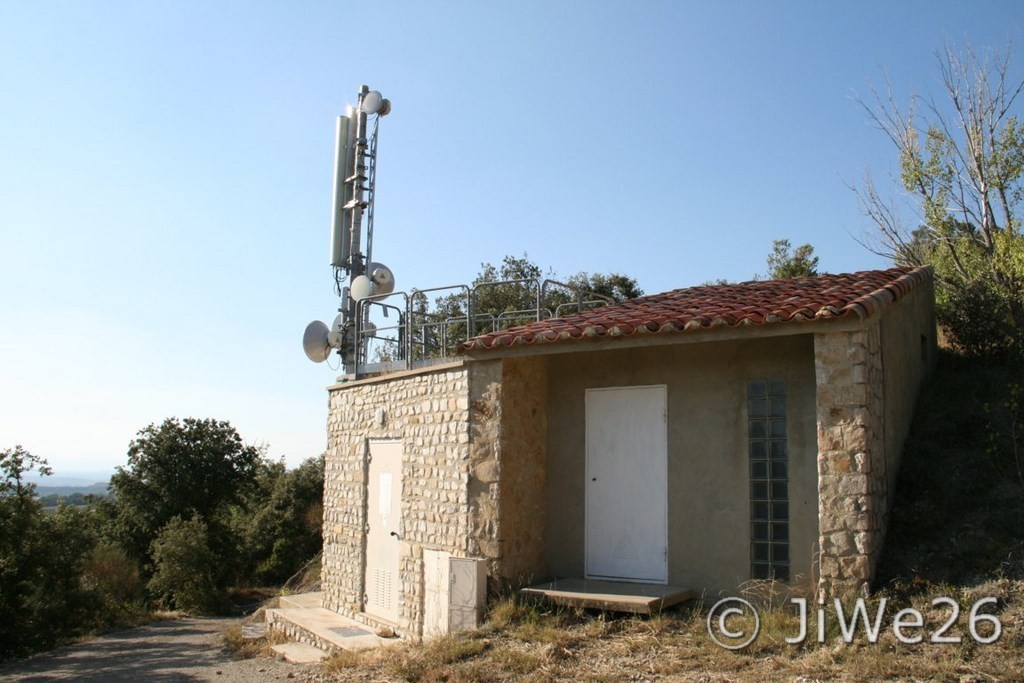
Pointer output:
x,y
403,331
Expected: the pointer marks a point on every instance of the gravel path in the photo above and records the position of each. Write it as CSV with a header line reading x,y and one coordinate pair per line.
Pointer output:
x,y
179,650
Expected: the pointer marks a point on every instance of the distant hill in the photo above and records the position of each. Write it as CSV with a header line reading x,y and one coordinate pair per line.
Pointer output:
x,y
98,488
51,496
70,478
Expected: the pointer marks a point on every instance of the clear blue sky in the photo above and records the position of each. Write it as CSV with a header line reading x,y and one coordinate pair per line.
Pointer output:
x,y
165,174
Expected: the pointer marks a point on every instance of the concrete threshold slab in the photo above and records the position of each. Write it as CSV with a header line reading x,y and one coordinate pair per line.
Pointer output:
x,y
299,653
613,596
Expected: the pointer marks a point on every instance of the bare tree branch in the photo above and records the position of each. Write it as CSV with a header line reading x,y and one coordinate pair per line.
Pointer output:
x,y
961,158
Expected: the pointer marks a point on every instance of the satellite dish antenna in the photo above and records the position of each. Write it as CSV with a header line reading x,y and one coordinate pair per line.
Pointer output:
x,y
382,277
361,288
314,342
374,103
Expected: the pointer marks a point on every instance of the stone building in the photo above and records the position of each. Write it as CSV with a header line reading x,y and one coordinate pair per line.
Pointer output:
x,y
612,444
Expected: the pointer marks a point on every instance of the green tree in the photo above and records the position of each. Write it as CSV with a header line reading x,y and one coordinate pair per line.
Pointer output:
x,y
20,521
615,286
279,523
510,298
42,600
181,468
510,294
961,158
185,574
785,262
61,605
502,296
15,463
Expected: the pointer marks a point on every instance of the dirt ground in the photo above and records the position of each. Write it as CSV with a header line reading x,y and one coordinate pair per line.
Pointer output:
x,y
165,651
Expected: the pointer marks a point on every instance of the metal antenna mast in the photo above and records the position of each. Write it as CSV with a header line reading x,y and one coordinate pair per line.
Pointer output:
x,y
355,174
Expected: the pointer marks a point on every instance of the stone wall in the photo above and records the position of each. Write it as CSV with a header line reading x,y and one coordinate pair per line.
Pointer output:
x,y
852,480
429,412
868,382
508,441
485,405
524,433
473,442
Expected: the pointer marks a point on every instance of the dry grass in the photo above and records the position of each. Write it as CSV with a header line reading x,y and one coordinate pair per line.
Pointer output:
x,y
525,642
449,658
241,647
166,615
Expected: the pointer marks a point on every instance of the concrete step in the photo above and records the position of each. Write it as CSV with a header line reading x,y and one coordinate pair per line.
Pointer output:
x,y
614,596
302,619
254,630
324,628
299,653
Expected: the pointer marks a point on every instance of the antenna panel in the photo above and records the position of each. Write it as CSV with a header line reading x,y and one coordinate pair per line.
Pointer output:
x,y
344,165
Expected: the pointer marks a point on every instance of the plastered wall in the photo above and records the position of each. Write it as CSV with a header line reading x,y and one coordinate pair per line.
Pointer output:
x,y
708,480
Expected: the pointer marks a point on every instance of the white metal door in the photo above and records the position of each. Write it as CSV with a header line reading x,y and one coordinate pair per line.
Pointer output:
x,y
627,484
384,494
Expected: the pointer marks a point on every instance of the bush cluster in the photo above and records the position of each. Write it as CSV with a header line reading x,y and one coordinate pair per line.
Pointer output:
x,y
194,513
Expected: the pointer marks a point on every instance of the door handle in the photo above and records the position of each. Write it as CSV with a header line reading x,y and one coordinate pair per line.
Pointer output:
x,y
395,534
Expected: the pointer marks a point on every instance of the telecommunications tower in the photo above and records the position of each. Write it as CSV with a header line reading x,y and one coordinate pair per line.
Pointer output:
x,y
356,275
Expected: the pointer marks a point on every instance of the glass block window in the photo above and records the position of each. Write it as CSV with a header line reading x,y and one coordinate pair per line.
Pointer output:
x,y
769,479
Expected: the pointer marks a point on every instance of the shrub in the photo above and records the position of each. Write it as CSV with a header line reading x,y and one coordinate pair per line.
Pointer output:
x,y
185,568
979,320
113,577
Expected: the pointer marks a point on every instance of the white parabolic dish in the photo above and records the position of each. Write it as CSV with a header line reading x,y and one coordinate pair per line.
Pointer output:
x,y
314,342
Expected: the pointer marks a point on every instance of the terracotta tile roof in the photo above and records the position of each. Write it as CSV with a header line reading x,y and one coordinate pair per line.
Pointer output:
x,y
767,302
